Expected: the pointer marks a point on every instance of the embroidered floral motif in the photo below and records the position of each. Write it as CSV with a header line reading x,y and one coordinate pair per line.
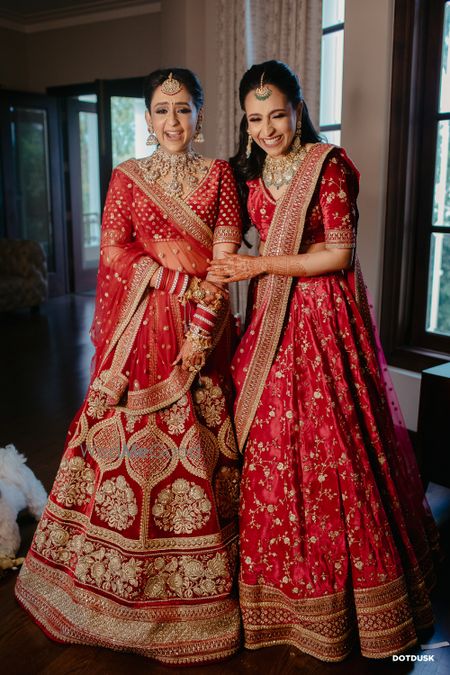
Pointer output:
x,y
175,417
226,488
182,507
93,563
188,577
116,503
74,483
96,399
210,400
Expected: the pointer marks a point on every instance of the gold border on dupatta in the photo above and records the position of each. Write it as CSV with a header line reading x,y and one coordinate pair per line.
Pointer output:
x,y
284,238
145,269
180,212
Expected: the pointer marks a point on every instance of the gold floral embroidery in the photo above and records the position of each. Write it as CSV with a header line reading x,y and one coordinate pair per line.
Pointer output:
x,y
175,417
74,483
226,487
93,563
182,507
210,400
96,400
188,576
116,503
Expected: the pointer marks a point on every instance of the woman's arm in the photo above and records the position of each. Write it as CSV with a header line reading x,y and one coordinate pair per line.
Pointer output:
x,y
240,267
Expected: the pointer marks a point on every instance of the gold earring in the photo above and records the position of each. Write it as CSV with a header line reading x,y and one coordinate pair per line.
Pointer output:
x,y
198,136
151,139
248,149
298,133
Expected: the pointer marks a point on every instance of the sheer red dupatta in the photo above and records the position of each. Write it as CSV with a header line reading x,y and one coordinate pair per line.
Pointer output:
x,y
123,293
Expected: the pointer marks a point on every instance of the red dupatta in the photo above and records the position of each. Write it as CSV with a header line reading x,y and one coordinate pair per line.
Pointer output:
x,y
284,238
123,292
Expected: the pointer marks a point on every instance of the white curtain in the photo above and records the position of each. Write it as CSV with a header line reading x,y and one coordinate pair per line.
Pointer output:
x,y
251,31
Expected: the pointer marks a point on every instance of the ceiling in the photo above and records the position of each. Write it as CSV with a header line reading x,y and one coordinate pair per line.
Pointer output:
x,y
26,12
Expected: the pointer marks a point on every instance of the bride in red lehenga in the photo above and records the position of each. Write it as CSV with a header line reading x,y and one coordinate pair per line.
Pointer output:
x,y
335,532
137,547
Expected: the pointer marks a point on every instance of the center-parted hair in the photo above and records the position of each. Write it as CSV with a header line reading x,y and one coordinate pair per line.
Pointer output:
x,y
183,75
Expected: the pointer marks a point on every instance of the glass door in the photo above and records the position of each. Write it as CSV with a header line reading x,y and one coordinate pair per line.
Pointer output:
x,y
33,178
84,170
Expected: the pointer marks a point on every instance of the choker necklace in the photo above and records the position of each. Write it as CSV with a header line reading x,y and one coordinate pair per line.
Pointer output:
x,y
279,171
185,166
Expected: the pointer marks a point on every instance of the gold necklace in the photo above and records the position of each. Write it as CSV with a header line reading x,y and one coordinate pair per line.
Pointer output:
x,y
279,171
186,166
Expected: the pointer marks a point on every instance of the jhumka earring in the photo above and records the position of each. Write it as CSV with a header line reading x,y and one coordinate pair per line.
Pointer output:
x,y
198,136
248,149
151,138
298,133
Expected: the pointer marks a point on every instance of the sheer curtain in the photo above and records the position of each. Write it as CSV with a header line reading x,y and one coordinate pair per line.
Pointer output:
x,y
251,31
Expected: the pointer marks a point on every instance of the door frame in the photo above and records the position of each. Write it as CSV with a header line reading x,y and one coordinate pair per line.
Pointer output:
x,y
57,279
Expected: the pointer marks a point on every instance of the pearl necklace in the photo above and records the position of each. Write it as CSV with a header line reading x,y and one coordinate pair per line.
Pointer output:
x,y
279,171
186,166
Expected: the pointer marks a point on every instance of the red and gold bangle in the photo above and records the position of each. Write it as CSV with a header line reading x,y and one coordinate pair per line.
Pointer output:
x,y
205,318
172,281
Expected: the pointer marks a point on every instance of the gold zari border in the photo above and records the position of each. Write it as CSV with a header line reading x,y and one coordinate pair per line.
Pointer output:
x,y
326,627
181,634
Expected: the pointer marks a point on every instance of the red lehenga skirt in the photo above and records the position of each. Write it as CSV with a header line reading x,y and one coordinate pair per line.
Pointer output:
x,y
335,535
137,547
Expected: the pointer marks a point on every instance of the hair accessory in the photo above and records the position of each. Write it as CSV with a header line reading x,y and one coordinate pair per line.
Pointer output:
x,y
262,92
151,138
248,149
171,86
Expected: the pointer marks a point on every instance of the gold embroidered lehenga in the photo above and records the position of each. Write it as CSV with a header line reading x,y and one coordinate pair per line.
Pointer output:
x,y
137,546
336,537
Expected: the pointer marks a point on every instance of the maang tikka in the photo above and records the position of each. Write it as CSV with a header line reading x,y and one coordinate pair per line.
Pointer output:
x,y
262,92
171,86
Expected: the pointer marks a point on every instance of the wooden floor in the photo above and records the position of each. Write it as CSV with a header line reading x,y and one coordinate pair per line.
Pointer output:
x,y
44,373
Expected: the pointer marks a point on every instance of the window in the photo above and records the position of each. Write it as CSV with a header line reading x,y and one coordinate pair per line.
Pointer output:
x,y
415,318
332,69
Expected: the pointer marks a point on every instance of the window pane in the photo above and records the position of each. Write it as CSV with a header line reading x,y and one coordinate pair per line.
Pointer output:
x,y
332,136
444,105
331,78
438,305
441,204
88,98
30,139
90,189
332,12
128,128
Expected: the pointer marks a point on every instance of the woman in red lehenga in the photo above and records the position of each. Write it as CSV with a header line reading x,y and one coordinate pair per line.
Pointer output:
x,y
136,549
335,533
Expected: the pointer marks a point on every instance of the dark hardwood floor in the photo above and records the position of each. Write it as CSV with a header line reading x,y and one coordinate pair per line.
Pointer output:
x,y
44,371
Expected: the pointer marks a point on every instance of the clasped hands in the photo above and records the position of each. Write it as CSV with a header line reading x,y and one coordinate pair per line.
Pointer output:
x,y
235,267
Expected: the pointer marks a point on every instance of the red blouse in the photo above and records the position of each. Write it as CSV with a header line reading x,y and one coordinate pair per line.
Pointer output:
x,y
332,214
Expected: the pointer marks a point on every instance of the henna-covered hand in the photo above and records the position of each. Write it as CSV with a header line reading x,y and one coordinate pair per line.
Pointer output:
x,y
236,267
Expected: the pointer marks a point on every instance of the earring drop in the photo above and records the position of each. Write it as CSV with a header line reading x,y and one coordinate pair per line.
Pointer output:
x,y
248,149
151,139
298,134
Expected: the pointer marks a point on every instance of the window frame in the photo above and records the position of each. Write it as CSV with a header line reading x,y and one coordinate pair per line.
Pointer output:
x,y
334,28
416,68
